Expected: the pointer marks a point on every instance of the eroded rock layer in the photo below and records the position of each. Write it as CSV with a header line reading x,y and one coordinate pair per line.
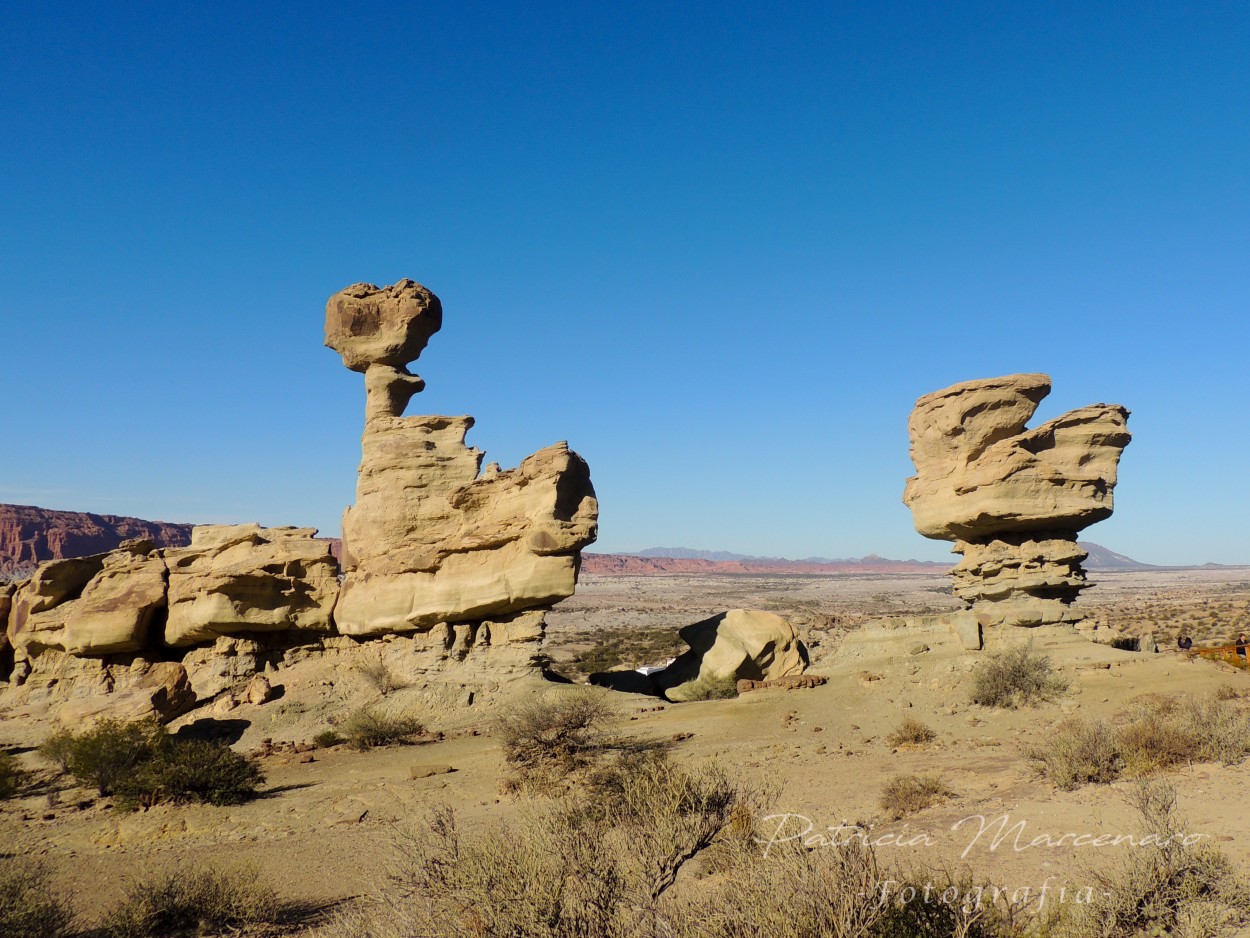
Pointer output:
x,y
1012,499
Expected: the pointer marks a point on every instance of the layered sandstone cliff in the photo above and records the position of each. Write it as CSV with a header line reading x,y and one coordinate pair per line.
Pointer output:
x,y
30,535
1012,499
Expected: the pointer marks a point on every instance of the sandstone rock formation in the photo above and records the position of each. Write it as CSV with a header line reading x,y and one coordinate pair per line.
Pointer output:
x,y
433,540
1013,499
453,566
30,535
742,644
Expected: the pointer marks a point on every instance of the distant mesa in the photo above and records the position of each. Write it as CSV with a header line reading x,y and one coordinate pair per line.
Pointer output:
x,y
30,536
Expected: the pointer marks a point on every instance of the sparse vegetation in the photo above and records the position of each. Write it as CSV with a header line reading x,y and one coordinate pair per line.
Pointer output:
x,y
382,677
1170,886
18,573
625,648
372,728
201,901
911,732
1015,677
139,764
907,794
327,738
710,688
12,777
547,741
29,906
1160,732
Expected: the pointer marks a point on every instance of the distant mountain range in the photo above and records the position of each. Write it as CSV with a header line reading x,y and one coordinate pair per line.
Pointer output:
x,y
661,560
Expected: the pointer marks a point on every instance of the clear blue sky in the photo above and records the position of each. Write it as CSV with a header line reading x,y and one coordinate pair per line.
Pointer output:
x,y
720,248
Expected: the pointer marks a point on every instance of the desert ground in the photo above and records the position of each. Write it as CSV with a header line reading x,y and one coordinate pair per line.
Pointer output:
x,y
322,832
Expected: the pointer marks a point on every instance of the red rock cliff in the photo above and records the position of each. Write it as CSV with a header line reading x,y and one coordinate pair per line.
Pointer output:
x,y
30,535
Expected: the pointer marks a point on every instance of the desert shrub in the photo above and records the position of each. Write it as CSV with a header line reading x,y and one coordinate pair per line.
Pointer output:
x,y
907,794
1157,734
1015,677
1168,886
547,741
200,901
140,764
911,731
29,905
570,869
327,738
106,754
710,688
371,728
626,648
382,677
12,777
1079,752
1227,692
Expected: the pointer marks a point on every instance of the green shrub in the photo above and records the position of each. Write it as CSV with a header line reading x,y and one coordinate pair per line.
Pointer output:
x,y
12,777
30,906
907,794
371,728
710,688
1015,677
911,732
140,765
327,738
200,901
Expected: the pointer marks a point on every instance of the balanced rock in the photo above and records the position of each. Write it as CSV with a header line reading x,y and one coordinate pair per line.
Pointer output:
x,y
1013,499
742,644
433,539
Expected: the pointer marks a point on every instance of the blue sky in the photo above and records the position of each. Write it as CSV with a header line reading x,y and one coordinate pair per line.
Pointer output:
x,y
721,249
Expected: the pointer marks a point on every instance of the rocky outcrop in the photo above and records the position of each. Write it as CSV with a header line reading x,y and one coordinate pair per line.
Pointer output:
x,y
433,539
30,535
245,578
1011,499
742,644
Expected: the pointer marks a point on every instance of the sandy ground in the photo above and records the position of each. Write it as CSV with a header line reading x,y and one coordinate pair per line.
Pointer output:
x,y
320,833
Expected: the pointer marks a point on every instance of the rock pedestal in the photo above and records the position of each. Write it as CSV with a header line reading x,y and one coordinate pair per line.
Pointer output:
x,y
1011,499
433,540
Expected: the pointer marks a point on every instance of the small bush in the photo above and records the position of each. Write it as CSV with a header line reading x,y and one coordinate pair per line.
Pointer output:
x,y
710,688
140,765
907,794
12,777
382,677
201,901
1161,732
1015,677
911,732
29,905
547,741
370,728
327,738
1227,692
1165,887
1079,752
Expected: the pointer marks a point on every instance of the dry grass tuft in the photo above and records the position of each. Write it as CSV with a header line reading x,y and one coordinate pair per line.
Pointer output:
x,y
911,732
29,905
908,794
201,901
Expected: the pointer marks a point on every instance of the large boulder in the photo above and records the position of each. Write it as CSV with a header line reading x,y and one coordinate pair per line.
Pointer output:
x,y
1012,499
97,605
245,578
742,644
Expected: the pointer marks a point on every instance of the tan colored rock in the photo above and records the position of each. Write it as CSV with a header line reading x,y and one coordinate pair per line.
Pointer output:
x,y
245,578
742,644
1013,499
91,605
163,691
434,539
793,682
370,325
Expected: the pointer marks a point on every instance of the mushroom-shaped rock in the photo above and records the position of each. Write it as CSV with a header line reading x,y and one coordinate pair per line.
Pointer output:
x,y
1013,499
371,325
